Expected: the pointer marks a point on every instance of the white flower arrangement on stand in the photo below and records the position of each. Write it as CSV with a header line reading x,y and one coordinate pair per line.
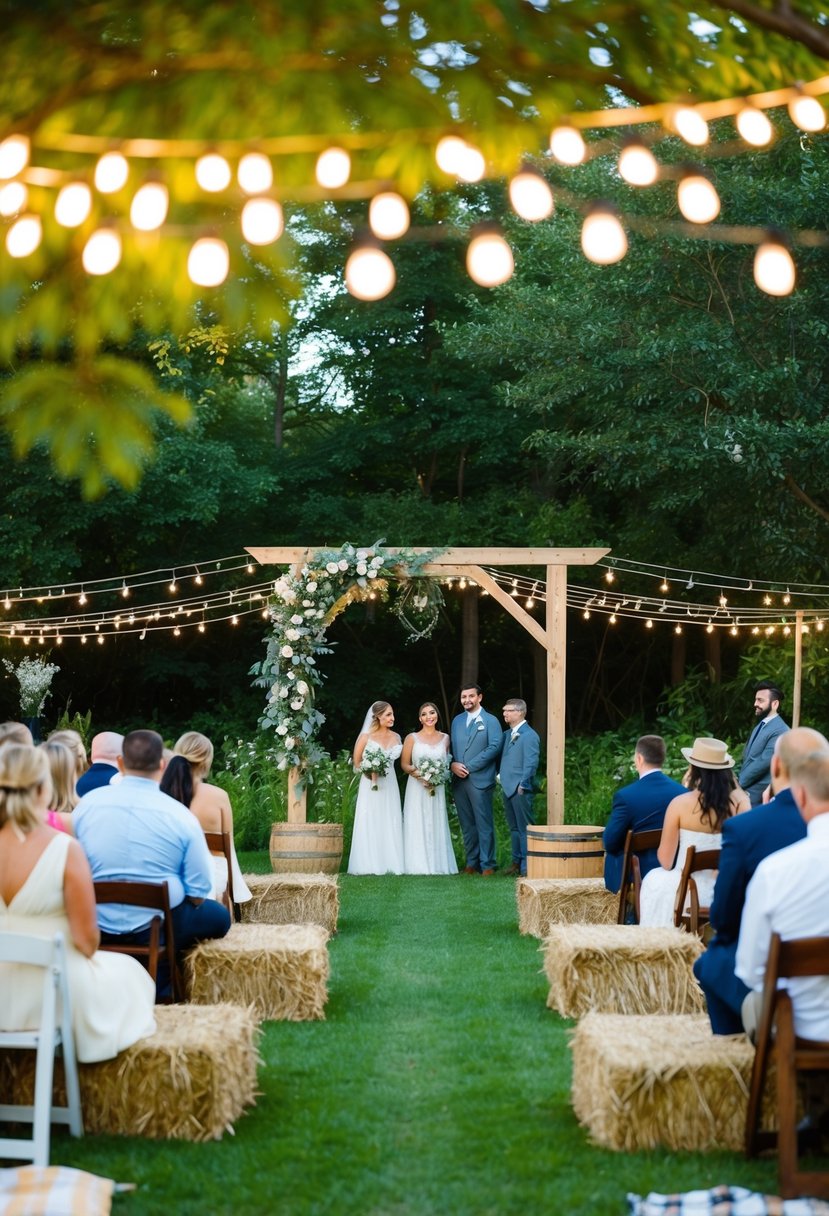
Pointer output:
x,y
35,678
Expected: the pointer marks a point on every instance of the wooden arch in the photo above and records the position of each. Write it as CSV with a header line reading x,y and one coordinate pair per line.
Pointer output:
x,y
552,636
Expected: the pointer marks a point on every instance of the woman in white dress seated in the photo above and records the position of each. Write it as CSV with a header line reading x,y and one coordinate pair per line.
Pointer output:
x,y
46,888
377,841
695,818
427,845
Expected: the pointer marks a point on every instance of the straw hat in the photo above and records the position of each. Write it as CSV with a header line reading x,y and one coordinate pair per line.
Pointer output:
x,y
708,753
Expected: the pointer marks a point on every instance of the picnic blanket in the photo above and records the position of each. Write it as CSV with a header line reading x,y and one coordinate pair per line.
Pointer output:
x,y
724,1201
56,1190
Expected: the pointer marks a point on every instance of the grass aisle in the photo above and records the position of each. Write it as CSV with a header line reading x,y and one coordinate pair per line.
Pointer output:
x,y
439,1083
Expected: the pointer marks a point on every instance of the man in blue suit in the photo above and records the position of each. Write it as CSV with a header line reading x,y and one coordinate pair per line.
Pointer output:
x,y
520,750
746,840
476,744
755,770
639,807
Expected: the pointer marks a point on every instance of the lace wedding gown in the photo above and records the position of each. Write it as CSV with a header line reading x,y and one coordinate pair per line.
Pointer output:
x,y
659,887
427,845
377,842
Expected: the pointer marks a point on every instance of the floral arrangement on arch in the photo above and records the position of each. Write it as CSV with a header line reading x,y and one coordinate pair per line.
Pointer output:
x,y
302,606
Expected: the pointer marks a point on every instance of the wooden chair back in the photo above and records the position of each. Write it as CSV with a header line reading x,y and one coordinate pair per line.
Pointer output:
x,y
697,917
631,884
219,844
794,959
156,897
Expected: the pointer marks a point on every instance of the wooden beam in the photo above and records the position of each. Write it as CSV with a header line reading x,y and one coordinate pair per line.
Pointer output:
x,y
508,602
286,555
297,802
556,688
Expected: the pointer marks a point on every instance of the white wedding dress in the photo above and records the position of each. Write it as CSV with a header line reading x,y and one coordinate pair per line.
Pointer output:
x,y
377,842
659,887
427,845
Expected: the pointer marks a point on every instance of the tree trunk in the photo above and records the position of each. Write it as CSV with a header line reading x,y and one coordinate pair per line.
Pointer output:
x,y
679,651
280,387
469,637
713,656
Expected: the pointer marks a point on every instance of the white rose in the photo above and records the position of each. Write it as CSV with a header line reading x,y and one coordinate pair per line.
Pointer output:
x,y
320,613
280,586
310,612
297,704
333,568
282,729
284,693
289,596
307,603
296,619
292,635
290,744
372,573
342,563
282,765
302,687
362,568
287,652
310,587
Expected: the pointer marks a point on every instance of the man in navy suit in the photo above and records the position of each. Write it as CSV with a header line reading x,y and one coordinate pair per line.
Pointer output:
x,y
757,754
476,744
639,807
520,750
104,753
746,840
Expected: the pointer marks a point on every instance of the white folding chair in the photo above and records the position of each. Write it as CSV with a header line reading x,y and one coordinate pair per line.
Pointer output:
x,y
55,1032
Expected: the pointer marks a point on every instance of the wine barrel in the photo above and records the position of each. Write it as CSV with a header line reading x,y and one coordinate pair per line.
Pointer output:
x,y
306,848
563,850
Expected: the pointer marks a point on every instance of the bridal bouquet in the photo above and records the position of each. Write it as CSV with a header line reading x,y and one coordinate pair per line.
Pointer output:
x,y
375,763
434,771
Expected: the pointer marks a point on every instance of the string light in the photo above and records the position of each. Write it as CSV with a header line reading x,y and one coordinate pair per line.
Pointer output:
x,y
24,236
102,252
530,195
697,198
689,125
754,126
213,173
254,173
369,272
567,145
262,221
489,259
73,204
208,262
807,113
149,206
609,576
664,587
13,198
603,238
649,623
637,164
14,155
774,270
333,168
388,216
111,173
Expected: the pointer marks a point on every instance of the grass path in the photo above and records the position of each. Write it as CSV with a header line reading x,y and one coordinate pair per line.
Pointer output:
x,y
439,1083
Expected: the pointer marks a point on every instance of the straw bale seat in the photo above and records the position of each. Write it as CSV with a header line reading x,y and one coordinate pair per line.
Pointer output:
x,y
641,1082
621,969
292,899
282,970
563,901
191,1080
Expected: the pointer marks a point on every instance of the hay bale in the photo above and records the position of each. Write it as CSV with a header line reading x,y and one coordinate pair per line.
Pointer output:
x,y
621,969
282,970
642,1082
563,901
191,1080
292,899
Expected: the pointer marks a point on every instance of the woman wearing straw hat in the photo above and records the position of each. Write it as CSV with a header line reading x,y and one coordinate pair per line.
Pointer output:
x,y
695,818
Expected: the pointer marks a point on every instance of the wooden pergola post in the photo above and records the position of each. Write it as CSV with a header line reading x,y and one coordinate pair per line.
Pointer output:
x,y
468,563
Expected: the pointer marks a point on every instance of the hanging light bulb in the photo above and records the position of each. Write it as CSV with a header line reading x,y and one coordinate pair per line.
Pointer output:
x,y
369,272
14,155
774,269
24,236
567,145
689,125
637,164
697,198
262,221
333,168
805,112
111,173
530,195
603,238
489,259
73,204
472,164
102,252
213,173
609,576
449,153
254,173
13,198
208,262
149,206
388,216
754,126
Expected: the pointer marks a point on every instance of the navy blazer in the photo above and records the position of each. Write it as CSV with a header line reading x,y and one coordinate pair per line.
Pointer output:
x,y
96,775
639,807
755,769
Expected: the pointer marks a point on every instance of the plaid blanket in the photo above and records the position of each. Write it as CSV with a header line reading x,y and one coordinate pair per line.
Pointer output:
x,y
724,1201
55,1190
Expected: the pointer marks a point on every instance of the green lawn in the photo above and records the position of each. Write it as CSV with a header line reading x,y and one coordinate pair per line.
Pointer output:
x,y
439,1083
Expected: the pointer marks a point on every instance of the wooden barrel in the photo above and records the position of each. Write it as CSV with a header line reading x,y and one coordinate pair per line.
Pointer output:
x,y
564,850
306,848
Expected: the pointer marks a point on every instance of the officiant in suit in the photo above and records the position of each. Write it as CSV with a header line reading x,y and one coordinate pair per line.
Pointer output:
x,y
520,750
639,807
476,745
755,771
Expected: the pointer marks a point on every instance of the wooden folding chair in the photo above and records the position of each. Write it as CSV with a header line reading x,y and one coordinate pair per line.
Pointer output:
x,y
795,959
156,897
631,884
697,917
219,844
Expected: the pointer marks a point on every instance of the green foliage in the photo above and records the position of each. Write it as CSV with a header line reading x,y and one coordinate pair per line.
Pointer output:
x,y
82,723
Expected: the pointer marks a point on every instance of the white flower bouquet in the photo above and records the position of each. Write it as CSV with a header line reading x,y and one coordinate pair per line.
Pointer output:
x,y
34,677
375,763
434,771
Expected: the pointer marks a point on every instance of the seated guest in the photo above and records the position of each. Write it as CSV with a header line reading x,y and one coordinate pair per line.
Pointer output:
x,y
746,841
64,798
105,750
132,831
46,888
72,740
15,732
177,781
639,807
787,895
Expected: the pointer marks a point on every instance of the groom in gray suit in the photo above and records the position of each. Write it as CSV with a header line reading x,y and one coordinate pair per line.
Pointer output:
x,y
520,750
476,743
755,773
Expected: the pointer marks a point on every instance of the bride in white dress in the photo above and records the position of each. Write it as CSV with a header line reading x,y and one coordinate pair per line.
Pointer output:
x,y
694,819
377,842
427,845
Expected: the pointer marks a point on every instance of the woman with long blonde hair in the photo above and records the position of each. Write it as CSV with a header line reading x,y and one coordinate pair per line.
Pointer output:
x,y
62,771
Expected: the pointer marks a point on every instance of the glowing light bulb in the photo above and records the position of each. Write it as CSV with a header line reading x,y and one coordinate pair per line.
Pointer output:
x,y
449,153
697,199
677,629
208,262
73,204
690,126
234,620
254,173
663,586
530,195
472,164
567,145
612,620
149,206
388,216
333,168
24,236
14,155
649,623
609,576
369,273
805,112
125,591
102,252
638,165
774,269
111,173
13,198
754,126
586,614
213,173
262,221
489,259
603,238
82,598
